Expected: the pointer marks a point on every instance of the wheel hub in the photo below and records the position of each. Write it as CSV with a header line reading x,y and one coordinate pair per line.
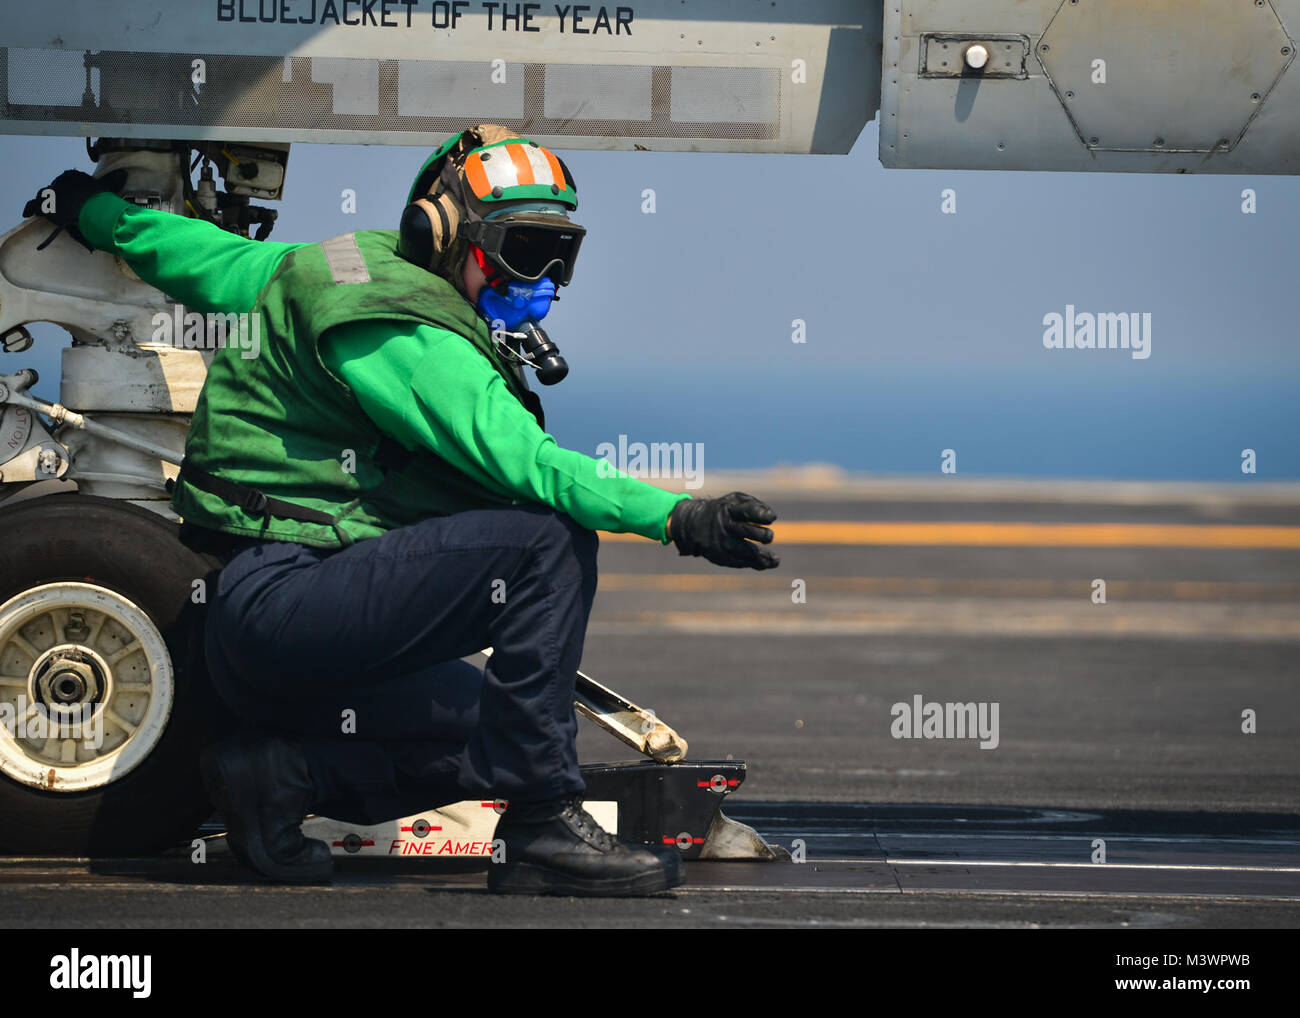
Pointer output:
x,y
94,666
67,679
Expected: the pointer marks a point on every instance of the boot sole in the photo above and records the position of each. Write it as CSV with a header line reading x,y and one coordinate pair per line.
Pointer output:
x,y
245,844
528,878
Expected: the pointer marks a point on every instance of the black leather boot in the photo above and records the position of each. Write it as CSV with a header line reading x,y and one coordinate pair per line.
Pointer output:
x,y
264,791
558,848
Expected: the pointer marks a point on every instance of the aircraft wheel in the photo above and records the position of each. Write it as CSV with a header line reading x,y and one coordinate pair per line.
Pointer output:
x,y
105,703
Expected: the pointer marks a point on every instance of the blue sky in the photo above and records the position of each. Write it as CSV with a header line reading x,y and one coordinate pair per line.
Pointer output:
x,y
923,331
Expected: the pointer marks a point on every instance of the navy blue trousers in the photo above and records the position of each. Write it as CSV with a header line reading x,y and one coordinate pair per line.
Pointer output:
x,y
355,654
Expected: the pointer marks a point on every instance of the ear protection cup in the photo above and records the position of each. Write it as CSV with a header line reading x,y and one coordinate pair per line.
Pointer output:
x,y
429,231
415,236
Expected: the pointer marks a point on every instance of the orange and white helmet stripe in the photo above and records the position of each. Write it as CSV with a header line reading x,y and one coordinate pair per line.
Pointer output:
x,y
513,164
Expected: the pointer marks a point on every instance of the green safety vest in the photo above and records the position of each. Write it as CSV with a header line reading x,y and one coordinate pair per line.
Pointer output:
x,y
283,426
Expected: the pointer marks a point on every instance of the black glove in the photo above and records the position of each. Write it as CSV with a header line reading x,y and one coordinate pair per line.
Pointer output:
x,y
72,189
723,531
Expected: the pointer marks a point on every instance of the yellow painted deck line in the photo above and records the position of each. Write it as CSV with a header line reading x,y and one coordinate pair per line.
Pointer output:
x,y
1160,590
1045,620
1042,535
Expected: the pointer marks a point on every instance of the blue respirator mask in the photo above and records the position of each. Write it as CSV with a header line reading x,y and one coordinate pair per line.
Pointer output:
x,y
512,308
521,302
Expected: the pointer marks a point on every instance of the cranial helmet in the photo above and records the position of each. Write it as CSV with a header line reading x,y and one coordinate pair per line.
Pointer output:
x,y
510,197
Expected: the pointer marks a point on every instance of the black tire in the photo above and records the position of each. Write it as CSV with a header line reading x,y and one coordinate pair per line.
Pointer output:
x,y
136,554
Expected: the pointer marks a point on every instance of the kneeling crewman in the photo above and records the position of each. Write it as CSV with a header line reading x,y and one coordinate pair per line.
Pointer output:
x,y
381,489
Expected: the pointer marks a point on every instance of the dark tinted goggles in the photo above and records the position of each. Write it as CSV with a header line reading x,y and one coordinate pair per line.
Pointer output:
x,y
529,249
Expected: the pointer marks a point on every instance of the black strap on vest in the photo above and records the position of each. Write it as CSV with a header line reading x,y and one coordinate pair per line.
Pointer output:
x,y
252,501
389,456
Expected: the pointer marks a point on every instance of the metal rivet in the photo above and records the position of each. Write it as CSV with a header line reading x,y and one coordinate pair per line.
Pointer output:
x,y
497,192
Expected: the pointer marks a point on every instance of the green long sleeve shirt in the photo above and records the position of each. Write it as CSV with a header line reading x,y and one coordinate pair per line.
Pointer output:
x,y
426,387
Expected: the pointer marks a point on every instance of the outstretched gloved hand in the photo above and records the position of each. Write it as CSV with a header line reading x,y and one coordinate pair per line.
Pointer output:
x,y
61,200
724,530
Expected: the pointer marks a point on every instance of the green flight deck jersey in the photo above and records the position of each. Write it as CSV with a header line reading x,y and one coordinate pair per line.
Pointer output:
x,y
373,397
